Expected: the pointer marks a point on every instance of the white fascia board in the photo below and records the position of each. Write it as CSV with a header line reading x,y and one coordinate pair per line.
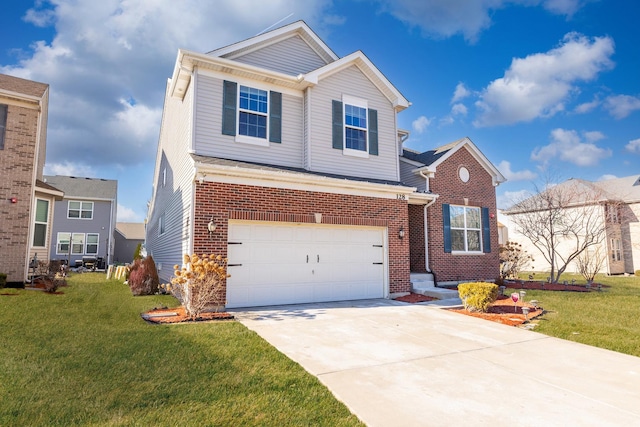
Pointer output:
x,y
20,99
422,198
295,181
55,193
360,59
253,43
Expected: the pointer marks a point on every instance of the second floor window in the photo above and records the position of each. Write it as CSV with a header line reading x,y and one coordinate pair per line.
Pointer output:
x,y
252,116
466,229
82,210
355,127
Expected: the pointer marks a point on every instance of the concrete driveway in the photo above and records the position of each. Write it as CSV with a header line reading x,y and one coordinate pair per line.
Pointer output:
x,y
397,364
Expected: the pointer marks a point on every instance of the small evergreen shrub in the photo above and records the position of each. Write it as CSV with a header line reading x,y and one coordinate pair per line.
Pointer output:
x,y
143,277
136,253
3,279
478,296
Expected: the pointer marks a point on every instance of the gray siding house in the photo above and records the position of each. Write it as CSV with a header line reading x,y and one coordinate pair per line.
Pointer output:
x,y
84,220
127,237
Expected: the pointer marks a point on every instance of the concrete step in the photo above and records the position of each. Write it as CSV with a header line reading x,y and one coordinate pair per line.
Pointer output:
x,y
440,293
422,280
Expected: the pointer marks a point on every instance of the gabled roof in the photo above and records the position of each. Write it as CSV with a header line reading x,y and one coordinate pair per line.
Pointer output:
x,y
626,189
85,188
433,158
43,187
131,230
298,28
221,60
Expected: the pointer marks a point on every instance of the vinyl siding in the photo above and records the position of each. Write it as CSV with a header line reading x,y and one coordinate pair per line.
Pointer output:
x,y
324,158
291,56
209,140
409,178
173,199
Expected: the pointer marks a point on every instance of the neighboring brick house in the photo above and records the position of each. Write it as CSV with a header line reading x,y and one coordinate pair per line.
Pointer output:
x,y
85,220
283,157
127,237
26,203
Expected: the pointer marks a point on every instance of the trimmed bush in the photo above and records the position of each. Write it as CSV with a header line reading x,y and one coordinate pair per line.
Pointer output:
x,y
143,277
478,296
3,280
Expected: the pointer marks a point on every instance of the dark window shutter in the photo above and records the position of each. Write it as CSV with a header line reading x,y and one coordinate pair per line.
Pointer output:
x,y
275,117
3,124
337,119
486,231
373,132
446,221
229,99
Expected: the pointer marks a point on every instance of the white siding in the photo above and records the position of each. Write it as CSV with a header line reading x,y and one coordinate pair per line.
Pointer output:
x,y
326,159
209,140
409,178
173,199
291,56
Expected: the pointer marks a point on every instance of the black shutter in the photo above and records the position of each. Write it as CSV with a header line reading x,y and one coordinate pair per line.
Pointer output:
x,y
3,124
486,231
446,221
229,99
275,117
373,132
337,119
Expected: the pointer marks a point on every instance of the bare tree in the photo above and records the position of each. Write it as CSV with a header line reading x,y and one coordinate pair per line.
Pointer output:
x,y
590,262
562,221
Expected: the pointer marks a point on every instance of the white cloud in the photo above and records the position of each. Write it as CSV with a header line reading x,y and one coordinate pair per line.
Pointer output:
x,y
459,110
540,84
525,175
69,169
633,146
620,106
587,107
125,214
109,61
421,124
567,146
510,198
606,177
461,92
446,18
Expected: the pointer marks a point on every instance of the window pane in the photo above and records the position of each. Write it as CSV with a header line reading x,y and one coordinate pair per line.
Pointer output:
x,y
252,125
39,235
356,139
253,99
456,214
74,214
473,240
92,238
86,214
92,248
473,217
74,205
77,243
355,116
42,210
457,240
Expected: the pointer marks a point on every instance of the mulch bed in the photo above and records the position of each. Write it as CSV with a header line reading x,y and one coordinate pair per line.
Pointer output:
x,y
414,298
178,315
503,311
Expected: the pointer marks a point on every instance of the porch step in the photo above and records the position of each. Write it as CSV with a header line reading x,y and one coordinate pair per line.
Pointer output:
x,y
424,284
422,280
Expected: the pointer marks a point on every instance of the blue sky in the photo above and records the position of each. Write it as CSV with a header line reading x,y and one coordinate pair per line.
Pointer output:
x,y
542,87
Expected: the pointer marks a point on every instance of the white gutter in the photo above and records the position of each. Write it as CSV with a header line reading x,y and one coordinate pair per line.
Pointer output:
x,y
426,237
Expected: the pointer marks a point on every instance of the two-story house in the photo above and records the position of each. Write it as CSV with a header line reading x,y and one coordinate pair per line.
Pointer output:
x,y
26,202
84,220
283,157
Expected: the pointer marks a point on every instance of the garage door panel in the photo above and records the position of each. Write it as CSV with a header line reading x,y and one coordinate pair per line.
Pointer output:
x,y
297,263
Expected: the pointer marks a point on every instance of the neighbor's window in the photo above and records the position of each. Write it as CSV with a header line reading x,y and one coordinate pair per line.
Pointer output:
x,y
613,215
40,228
161,225
3,124
82,210
466,229
62,246
253,112
77,243
92,244
616,250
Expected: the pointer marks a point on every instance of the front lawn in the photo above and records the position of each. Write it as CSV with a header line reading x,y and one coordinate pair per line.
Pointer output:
x,y
609,319
85,357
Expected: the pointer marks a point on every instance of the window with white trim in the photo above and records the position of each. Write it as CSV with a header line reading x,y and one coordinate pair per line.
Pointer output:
x,y
62,245
91,247
77,243
616,250
80,210
466,229
355,127
253,112
41,222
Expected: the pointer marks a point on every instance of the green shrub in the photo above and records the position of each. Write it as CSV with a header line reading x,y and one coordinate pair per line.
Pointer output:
x,y
136,253
3,280
478,296
143,277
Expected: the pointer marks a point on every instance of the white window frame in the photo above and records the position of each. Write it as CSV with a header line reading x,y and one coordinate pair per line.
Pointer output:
x,y
80,209
86,244
60,241
76,242
246,138
356,102
45,223
466,229
616,250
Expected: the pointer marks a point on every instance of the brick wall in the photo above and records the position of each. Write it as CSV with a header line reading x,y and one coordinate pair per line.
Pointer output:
x,y
16,169
232,201
416,238
479,191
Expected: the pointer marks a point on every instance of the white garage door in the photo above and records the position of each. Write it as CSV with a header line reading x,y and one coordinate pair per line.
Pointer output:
x,y
286,263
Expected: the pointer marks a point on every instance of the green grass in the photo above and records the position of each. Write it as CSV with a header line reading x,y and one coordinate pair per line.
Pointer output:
x,y
609,319
86,357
